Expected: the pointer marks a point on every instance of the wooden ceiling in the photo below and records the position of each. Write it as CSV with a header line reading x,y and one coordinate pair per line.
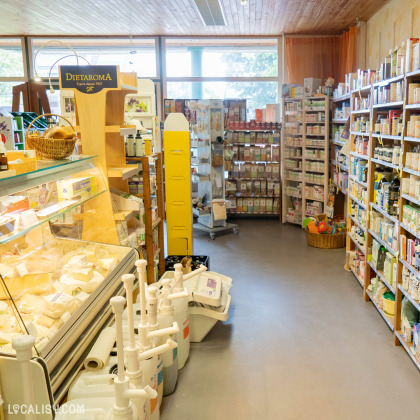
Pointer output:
x,y
180,17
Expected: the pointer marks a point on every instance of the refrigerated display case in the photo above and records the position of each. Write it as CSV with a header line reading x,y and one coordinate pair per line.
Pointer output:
x,y
56,285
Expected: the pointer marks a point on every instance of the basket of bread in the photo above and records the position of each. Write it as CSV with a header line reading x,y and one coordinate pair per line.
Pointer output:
x,y
56,143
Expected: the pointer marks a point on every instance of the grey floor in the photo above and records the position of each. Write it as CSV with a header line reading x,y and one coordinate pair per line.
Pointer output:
x,y
300,343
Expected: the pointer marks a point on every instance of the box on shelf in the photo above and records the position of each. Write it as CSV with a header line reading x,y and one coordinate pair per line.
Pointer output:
x,y
311,85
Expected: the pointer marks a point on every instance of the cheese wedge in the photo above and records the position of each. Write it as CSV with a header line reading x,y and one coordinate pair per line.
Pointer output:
x,y
85,274
33,283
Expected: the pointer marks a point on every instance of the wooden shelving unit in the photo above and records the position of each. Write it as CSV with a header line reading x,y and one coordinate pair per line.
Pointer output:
x,y
154,251
365,200
315,151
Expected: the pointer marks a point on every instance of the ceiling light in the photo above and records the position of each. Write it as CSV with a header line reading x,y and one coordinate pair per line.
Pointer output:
x,y
244,2
211,12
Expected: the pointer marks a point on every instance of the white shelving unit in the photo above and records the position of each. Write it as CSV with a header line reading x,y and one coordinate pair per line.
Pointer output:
x,y
292,145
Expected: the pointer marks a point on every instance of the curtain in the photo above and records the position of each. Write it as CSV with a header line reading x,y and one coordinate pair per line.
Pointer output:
x,y
312,57
331,56
348,53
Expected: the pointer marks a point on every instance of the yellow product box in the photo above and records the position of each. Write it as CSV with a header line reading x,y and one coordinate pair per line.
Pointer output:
x,y
70,188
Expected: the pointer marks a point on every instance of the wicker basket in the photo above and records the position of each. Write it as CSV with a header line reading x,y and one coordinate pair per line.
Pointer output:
x,y
46,148
325,241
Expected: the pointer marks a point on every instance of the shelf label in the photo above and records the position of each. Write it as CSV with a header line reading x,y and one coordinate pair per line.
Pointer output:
x,y
89,79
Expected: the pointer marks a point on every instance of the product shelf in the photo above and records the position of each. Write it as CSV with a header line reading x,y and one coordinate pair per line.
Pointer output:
x,y
253,162
382,277
362,89
363,206
354,178
397,104
313,183
412,199
359,133
361,111
123,172
408,347
124,215
314,147
411,171
340,188
338,143
314,199
413,106
385,317
412,139
384,213
339,120
342,98
383,163
382,242
388,81
356,222
361,248
409,267
343,167
359,155
416,303
291,179
385,136
408,229
357,277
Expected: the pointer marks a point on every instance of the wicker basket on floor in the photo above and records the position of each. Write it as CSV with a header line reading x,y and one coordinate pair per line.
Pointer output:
x,y
48,148
338,240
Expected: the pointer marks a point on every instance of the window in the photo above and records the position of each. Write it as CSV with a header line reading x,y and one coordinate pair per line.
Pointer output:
x,y
227,69
257,94
6,96
221,58
135,54
11,58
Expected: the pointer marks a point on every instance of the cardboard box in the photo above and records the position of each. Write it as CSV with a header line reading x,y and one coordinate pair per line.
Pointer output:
x,y
311,85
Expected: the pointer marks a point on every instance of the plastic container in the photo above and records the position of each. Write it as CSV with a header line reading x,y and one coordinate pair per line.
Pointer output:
x,y
388,300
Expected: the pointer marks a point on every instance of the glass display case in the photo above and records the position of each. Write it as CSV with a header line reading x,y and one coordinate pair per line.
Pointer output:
x,y
55,284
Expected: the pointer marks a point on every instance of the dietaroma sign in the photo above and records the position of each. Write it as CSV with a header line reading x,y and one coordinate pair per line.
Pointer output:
x,y
88,79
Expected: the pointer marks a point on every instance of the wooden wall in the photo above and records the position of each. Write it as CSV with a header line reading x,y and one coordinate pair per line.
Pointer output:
x,y
394,23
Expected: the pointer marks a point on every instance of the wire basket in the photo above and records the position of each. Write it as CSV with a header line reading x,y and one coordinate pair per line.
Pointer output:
x,y
325,241
49,148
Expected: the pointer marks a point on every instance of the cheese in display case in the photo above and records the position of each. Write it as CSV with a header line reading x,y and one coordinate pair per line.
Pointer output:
x,y
55,284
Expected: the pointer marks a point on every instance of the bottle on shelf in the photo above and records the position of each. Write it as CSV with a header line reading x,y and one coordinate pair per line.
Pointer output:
x,y
139,148
131,151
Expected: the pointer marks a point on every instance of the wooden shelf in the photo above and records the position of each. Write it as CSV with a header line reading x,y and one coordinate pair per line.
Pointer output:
x,y
117,128
123,172
388,321
124,215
